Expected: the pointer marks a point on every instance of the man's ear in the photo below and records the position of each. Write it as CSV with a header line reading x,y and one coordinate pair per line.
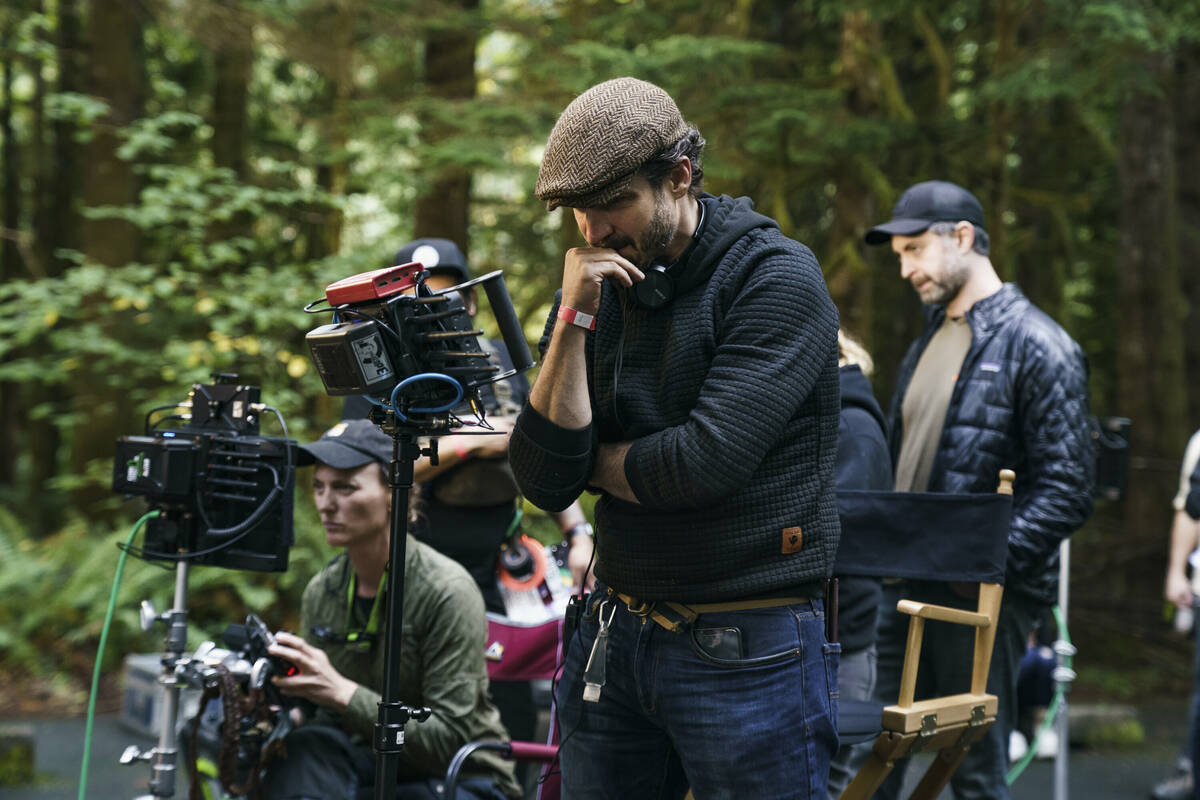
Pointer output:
x,y
964,236
680,178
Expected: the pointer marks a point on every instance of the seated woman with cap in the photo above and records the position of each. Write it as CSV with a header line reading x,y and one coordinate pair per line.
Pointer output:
x,y
340,655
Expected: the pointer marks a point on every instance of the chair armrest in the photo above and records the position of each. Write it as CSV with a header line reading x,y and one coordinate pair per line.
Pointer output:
x,y
943,614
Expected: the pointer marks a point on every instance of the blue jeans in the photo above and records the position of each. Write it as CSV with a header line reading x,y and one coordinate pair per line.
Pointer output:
x,y
671,715
856,681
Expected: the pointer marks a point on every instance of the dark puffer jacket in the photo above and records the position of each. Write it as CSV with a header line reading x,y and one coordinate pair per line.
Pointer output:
x,y
1020,403
730,395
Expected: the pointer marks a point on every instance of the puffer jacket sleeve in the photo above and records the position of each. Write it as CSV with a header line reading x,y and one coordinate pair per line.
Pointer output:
x,y
1055,493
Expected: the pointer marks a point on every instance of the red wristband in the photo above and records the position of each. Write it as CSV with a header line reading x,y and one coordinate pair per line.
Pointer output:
x,y
585,321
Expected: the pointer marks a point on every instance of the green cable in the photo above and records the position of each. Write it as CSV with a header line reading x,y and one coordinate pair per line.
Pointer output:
x,y
112,604
1051,711
516,523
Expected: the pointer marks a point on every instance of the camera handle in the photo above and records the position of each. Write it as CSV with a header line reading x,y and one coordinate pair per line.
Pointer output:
x,y
393,714
164,756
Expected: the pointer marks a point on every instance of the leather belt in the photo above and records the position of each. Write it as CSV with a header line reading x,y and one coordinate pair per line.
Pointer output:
x,y
677,617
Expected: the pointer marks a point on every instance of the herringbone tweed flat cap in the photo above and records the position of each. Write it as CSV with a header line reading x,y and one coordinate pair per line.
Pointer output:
x,y
602,138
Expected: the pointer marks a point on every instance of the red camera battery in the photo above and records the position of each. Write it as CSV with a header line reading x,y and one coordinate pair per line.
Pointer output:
x,y
375,285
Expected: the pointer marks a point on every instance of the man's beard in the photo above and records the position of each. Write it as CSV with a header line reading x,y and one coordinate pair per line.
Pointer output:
x,y
655,240
955,274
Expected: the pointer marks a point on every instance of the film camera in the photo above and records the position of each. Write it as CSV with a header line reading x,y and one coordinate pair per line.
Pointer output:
x,y
409,348
241,714
223,490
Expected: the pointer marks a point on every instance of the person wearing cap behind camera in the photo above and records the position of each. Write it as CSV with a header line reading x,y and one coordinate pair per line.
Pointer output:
x,y
339,653
992,383
690,377
469,506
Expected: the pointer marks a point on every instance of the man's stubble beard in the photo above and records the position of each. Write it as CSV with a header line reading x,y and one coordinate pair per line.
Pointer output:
x,y
653,243
955,275
656,239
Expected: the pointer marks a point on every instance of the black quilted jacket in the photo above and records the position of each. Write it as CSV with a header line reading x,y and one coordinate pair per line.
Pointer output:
x,y
1021,403
730,394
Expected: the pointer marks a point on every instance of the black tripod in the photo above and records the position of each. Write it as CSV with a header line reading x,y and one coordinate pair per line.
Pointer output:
x,y
393,713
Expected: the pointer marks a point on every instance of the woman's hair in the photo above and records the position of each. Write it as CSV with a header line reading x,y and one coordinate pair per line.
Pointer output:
x,y
416,510
851,352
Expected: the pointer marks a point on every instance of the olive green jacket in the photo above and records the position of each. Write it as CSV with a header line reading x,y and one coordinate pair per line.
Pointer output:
x,y
441,664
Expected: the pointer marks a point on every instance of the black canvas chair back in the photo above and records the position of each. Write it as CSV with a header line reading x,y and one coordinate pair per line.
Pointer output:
x,y
926,536
923,535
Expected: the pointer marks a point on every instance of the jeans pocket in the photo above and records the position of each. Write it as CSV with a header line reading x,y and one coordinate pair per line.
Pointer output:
x,y
763,638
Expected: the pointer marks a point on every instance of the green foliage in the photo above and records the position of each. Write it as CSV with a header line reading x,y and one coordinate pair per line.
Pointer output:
x,y
56,591
821,111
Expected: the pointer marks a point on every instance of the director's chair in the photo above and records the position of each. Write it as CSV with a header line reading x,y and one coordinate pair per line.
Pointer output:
x,y
926,536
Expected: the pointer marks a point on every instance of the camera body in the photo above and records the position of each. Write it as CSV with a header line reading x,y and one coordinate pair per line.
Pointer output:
x,y
224,492
393,332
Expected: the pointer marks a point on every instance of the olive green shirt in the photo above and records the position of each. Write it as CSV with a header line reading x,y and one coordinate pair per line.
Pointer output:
x,y
441,664
927,401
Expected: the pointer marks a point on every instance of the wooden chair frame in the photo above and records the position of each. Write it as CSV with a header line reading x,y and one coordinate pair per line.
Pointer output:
x,y
946,725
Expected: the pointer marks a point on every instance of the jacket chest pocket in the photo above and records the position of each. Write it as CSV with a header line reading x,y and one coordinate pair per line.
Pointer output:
x,y
987,399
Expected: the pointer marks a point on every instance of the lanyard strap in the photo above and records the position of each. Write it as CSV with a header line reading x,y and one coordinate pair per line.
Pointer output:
x,y
367,635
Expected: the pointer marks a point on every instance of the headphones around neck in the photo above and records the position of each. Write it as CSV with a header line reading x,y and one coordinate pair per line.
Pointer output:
x,y
658,287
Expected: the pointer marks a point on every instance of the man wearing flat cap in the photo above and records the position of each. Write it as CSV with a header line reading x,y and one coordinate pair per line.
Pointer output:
x,y
339,650
992,383
690,378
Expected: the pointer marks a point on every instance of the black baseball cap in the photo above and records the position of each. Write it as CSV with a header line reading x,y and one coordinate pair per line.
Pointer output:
x,y
438,256
924,204
348,445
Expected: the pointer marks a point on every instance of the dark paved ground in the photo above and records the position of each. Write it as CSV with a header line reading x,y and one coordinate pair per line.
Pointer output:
x,y
1095,774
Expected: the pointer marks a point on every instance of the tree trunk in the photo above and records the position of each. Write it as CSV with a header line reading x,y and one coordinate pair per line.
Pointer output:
x,y
1001,118
233,58
1187,140
117,76
65,186
10,256
1150,360
444,210
325,232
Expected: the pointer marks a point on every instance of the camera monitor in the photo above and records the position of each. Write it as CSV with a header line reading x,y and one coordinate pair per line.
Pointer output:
x,y
224,491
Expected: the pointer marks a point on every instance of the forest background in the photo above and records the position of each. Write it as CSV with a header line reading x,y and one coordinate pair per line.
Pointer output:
x,y
179,177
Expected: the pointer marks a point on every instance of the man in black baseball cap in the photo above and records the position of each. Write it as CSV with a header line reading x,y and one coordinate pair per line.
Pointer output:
x,y
991,383
924,204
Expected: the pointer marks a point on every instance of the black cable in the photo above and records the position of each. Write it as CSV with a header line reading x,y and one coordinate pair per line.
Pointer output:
x,y
255,515
344,309
141,552
146,423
